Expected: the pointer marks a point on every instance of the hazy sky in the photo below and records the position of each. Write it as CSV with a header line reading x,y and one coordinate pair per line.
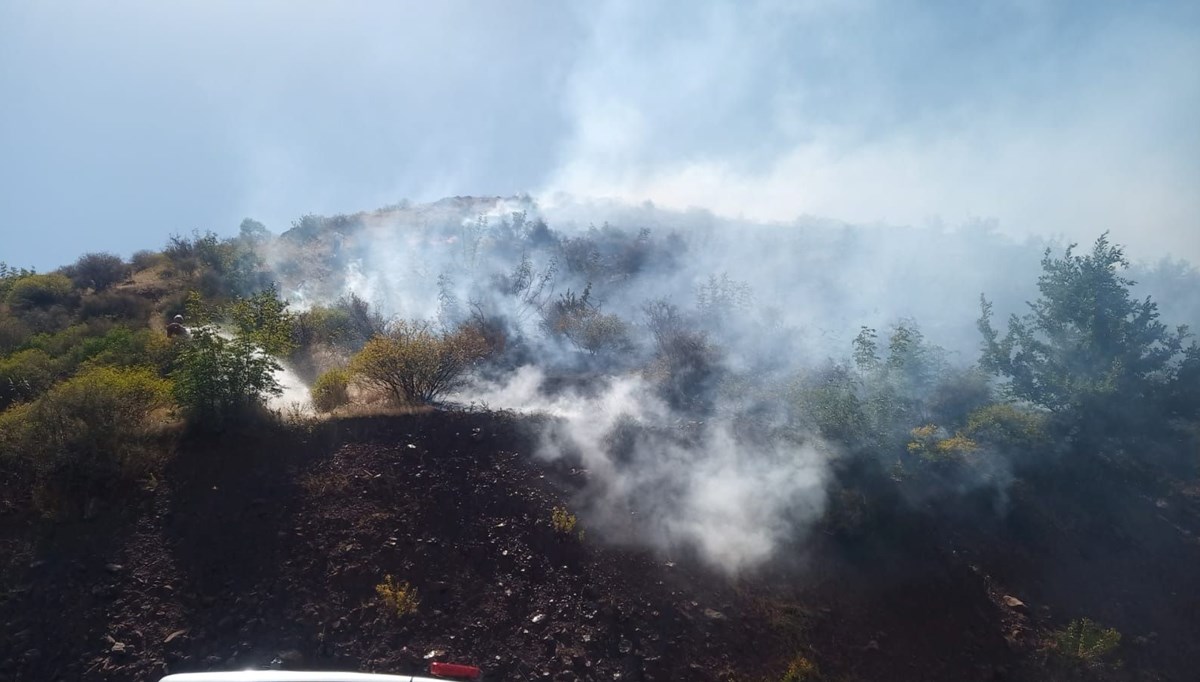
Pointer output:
x,y
123,122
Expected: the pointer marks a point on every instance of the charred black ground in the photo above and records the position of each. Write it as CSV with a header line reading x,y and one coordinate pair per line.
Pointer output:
x,y
260,549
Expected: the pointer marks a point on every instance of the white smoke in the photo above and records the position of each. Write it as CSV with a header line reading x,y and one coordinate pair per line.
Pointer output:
x,y
671,485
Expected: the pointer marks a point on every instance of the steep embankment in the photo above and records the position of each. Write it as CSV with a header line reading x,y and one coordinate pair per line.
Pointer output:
x,y
249,552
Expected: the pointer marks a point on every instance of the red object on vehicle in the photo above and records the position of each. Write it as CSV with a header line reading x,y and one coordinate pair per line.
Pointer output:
x,y
466,672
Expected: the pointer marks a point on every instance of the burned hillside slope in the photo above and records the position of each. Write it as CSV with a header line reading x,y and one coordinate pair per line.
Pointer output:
x,y
265,550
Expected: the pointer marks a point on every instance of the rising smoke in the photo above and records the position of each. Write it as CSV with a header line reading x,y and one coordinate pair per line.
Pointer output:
x,y
665,347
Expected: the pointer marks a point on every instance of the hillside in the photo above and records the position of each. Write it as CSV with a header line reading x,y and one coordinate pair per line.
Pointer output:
x,y
664,447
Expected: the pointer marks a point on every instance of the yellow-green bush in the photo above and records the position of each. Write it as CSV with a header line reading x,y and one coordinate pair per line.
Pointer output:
x,y
24,375
87,431
1007,426
801,669
929,443
415,364
331,390
39,291
400,597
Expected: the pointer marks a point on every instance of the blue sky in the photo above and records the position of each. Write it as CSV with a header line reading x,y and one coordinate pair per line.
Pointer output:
x,y
123,122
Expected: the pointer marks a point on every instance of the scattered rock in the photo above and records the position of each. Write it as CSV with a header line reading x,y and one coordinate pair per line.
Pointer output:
x,y
1014,603
538,618
174,636
114,568
713,614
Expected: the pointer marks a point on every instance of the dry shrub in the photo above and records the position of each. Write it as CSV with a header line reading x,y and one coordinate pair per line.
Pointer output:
x,y
415,364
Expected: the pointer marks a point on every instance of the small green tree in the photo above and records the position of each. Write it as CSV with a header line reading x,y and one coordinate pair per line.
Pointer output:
x,y
1085,339
218,380
264,319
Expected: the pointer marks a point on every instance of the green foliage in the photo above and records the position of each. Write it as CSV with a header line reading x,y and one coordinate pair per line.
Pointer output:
x,y
414,364
331,390
1007,426
14,333
400,597
1085,340
87,431
147,260
116,305
563,521
218,380
9,276
934,446
263,319
253,231
25,375
97,271
39,291
800,669
347,324
125,347
1085,642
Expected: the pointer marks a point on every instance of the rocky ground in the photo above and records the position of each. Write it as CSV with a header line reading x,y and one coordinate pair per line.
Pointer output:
x,y
268,552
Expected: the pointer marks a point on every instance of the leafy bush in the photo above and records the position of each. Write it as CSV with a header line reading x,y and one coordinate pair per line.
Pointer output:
x,y
25,375
147,260
932,445
400,597
415,364
218,380
263,319
97,271
116,305
331,390
1007,426
87,431
14,333
563,521
39,291
1085,642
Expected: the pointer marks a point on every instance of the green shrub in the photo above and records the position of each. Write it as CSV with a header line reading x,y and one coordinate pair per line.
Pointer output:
x,y
1085,642
40,291
414,364
147,260
331,390
218,380
87,432
116,305
1006,426
25,375
400,597
97,271
14,333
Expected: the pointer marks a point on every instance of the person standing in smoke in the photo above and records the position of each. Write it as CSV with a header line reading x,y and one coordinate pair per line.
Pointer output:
x,y
176,328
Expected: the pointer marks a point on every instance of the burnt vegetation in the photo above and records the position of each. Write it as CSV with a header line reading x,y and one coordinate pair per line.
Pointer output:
x,y
1024,506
